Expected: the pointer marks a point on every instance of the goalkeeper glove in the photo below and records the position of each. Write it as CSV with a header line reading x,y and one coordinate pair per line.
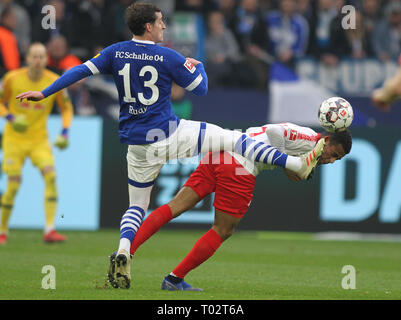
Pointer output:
x,y
62,140
19,122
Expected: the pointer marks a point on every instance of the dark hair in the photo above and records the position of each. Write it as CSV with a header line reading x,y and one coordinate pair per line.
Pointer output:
x,y
5,12
137,15
343,137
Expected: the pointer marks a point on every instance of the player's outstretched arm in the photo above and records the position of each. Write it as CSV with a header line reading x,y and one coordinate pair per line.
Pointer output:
x,y
31,95
385,96
68,78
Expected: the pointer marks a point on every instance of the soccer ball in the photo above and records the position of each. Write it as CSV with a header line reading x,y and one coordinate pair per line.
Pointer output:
x,y
335,114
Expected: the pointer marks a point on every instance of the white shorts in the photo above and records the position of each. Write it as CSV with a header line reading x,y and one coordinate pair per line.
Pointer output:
x,y
188,140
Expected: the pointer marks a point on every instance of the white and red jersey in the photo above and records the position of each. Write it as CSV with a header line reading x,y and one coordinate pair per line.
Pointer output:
x,y
287,137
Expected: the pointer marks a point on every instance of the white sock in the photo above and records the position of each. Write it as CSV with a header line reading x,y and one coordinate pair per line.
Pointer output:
x,y
125,244
293,163
48,229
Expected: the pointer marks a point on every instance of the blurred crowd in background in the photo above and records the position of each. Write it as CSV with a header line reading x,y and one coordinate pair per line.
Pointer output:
x,y
240,38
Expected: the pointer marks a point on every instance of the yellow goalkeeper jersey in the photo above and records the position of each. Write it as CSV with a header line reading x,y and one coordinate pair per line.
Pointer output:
x,y
36,112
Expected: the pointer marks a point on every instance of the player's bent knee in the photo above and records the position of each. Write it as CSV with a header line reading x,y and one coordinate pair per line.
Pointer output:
x,y
48,170
224,224
14,179
14,183
224,232
177,207
227,235
50,177
185,200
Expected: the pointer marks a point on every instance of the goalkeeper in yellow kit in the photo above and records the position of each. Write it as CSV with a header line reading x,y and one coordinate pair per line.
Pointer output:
x,y
25,135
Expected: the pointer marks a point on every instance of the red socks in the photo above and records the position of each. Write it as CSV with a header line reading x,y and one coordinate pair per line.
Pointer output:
x,y
203,249
151,225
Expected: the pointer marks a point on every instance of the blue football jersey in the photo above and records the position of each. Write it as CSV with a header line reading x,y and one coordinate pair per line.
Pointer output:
x,y
143,73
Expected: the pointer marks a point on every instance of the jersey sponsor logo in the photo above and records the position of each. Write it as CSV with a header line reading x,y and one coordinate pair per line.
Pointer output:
x,y
293,135
140,56
138,111
189,66
27,105
24,105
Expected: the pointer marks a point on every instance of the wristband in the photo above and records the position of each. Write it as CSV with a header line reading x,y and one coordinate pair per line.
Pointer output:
x,y
64,132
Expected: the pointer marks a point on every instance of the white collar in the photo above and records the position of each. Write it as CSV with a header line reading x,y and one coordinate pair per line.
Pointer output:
x,y
143,41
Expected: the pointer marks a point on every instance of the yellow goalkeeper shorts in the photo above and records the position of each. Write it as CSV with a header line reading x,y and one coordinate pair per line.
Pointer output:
x,y
15,153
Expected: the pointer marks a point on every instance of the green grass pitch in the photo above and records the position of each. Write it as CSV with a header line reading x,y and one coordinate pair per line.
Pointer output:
x,y
248,266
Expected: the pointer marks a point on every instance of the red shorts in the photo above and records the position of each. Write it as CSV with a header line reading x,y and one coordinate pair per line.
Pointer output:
x,y
219,172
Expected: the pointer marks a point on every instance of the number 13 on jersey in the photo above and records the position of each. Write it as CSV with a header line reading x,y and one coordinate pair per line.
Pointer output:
x,y
125,73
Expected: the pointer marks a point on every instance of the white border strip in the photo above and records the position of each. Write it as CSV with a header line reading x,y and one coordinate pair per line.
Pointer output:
x,y
195,83
92,67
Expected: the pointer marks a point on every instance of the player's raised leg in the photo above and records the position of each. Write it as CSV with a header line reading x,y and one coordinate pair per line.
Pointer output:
x,y
216,138
390,91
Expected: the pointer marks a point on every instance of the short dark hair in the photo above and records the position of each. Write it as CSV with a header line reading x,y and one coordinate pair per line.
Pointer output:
x,y
5,12
342,137
138,14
